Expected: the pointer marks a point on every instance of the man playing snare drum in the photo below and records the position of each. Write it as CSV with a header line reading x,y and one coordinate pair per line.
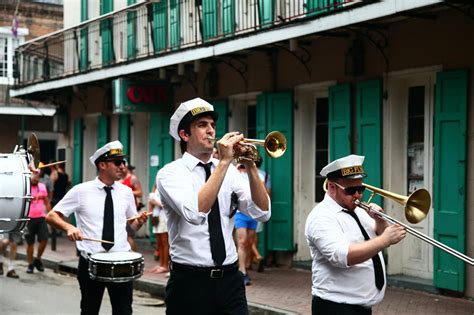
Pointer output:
x,y
101,207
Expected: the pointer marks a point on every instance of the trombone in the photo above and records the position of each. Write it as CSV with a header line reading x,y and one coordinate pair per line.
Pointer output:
x,y
417,205
274,144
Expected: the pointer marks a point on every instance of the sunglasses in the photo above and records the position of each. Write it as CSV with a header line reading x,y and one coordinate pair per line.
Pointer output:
x,y
352,189
116,162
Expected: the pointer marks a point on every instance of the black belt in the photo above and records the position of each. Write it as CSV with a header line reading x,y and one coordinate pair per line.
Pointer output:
x,y
213,272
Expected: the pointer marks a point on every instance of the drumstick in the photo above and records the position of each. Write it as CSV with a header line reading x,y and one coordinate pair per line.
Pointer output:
x,y
137,216
96,240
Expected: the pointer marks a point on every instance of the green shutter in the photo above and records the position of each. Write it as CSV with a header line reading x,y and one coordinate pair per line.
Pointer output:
x,y
266,12
339,121
275,112
83,40
228,17
78,149
131,32
124,132
102,130
369,131
106,32
450,176
209,19
160,26
314,7
222,122
175,36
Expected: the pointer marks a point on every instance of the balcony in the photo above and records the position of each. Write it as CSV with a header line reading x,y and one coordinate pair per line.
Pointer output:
x,y
157,28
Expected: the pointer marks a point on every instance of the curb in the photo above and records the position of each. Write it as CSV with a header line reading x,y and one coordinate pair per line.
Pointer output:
x,y
152,287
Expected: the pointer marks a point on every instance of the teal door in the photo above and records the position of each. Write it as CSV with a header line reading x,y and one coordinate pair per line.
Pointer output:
x,y
131,32
275,112
228,17
339,121
160,26
369,131
266,12
83,38
106,33
209,19
449,195
175,36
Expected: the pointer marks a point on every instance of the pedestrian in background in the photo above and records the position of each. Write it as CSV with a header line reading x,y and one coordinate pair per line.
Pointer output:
x,y
36,227
102,207
254,252
346,244
160,230
131,180
196,191
12,239
245,227
46,180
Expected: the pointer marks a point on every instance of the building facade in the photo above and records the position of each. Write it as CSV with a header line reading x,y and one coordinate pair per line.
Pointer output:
x,y
20,22
386,79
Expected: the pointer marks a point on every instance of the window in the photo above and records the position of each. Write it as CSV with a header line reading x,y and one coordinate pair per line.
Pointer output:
x,y
322,142
8,44
416,136
3,57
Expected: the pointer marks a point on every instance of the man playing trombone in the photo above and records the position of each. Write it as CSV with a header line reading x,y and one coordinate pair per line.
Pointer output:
x,y
196,192
348,271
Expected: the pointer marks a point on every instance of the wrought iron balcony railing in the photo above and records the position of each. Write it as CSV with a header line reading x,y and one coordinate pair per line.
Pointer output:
x,y
156,27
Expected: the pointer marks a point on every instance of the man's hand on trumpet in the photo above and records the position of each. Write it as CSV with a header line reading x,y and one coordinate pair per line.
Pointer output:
x,y
227,145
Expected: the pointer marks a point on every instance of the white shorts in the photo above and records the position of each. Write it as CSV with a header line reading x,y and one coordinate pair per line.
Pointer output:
x,y
162,226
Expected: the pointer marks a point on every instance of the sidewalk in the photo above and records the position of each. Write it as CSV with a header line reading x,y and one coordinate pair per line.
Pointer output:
x,y
276,290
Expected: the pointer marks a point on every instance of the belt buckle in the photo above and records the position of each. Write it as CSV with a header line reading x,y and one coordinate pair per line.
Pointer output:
x,y
217,273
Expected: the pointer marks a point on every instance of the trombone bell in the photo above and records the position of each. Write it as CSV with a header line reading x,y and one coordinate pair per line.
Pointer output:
x,y
417,205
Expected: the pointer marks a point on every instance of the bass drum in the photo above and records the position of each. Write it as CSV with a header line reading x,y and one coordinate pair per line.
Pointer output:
x,y
15,192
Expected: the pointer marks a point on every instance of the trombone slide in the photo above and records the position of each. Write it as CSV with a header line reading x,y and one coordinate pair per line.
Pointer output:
x,y
416,233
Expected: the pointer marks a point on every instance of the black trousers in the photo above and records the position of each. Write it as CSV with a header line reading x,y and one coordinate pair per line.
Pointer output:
x,y
325,307
194,290
92,292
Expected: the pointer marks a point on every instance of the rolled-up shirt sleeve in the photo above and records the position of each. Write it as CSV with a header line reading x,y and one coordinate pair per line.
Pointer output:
x,y
329,239
178,195
242,188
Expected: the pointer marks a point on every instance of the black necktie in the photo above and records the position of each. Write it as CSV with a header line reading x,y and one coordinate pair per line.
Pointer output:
x,y
378,270
215,230
108,228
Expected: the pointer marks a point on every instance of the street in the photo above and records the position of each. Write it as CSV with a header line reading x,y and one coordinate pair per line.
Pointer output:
x,y
53,293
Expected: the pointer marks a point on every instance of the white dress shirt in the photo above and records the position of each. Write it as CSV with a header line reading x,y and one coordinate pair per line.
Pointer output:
x,y
178,184
86,201
329,232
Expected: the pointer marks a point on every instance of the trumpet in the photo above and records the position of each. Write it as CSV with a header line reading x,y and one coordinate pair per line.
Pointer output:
x,y
274,144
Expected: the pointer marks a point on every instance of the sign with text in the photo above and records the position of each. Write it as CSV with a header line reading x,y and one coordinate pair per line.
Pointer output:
x,y
141,96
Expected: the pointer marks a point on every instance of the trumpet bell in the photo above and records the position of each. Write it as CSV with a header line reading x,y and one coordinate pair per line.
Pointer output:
x,y
275,144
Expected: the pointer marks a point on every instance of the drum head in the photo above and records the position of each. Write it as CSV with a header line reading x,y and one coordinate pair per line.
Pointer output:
x,y
116,256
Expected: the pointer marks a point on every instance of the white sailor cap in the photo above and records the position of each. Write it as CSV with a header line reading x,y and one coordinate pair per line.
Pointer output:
x,y
187,112
347,167
110,150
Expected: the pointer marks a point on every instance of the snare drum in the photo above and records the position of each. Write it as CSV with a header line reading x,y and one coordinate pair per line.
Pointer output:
x,y
116,266
15,191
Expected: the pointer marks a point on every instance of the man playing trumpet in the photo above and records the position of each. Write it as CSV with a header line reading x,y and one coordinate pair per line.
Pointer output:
x,y
346,243
196,192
